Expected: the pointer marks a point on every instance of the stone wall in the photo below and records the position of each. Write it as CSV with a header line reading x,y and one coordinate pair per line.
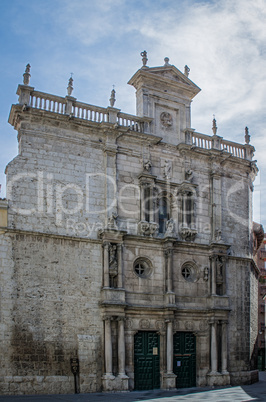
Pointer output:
x,y
53,315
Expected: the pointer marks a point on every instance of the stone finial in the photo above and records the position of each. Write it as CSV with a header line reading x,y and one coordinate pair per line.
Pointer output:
x,y
214,126
186,70
144,57
112,98
70,86
166,62
247,136
26,75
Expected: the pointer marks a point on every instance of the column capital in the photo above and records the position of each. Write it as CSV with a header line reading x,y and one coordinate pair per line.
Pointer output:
x,y
108,318
213,321
224,322
169,320
123,319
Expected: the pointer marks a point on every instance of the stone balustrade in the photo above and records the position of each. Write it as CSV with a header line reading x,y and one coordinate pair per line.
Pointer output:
x,y
84,111
207,142
44,101
89,112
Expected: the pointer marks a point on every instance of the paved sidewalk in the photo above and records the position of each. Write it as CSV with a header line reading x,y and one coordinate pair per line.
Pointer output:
x,y
254,392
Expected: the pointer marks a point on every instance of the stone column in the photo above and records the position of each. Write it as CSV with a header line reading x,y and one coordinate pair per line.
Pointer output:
x,y
216,204
120,266
169,264
121,347
213,275
224,346
108,347
184,212
214,357
110,176
142,203
151,203
169,347
106,280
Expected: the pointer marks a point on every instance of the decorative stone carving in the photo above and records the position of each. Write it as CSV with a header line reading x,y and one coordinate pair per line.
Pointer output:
x,y
219,270
166,62
189,175
111,222
189,325
147,228
26,75
206,274
176,325
112,98
214,126
187,233
113,265
147,166
144,324
144,57
247,136
128,323
70,86
167,169
170,228
186,71
203,325
166,119
160,325
218,236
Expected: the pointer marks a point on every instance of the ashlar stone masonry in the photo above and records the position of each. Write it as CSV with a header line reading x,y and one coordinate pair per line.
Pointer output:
x,y
125,244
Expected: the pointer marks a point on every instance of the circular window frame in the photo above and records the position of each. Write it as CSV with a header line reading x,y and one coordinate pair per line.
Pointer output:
x,y
146,265
189,272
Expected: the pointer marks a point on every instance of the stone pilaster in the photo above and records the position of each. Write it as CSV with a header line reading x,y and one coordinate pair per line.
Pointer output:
x,y
169,378
121,349
120,266
224,346
106,279
214,354
108,357
213,275
216,206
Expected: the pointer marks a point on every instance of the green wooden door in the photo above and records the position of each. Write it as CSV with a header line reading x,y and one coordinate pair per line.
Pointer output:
x,y
146,360
185,359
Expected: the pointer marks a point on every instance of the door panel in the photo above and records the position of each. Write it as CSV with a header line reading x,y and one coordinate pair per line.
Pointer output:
x,y
146,360
185,359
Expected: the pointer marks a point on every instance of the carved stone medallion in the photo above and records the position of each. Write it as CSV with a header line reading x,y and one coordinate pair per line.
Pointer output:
x,y
166,119
144,324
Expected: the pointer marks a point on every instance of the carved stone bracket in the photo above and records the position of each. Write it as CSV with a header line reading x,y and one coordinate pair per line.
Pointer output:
x,y
187,233
147,228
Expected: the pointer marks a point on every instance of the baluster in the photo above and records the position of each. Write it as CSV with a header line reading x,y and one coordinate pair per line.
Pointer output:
x,y
87,113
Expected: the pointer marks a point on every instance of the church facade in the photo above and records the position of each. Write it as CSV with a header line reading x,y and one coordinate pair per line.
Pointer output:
x,y
125,245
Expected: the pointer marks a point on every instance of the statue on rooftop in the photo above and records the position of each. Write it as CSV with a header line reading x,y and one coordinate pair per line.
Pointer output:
x,y
112,98
70,86
187,70
26,75
247,136
214,125
144,57
166,62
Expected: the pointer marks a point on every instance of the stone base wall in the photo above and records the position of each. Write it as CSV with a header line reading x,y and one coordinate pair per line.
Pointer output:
x,y
244,377
27,385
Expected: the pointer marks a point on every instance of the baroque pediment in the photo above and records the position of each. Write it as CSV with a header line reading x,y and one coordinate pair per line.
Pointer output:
x,y
169,76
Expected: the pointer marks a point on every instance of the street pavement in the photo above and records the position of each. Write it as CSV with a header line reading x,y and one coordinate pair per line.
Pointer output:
x,y
254,392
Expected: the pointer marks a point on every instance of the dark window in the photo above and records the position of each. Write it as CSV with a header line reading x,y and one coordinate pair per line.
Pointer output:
x,y
164,215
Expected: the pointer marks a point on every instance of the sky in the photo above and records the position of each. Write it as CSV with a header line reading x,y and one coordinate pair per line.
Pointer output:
x,y
222,41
